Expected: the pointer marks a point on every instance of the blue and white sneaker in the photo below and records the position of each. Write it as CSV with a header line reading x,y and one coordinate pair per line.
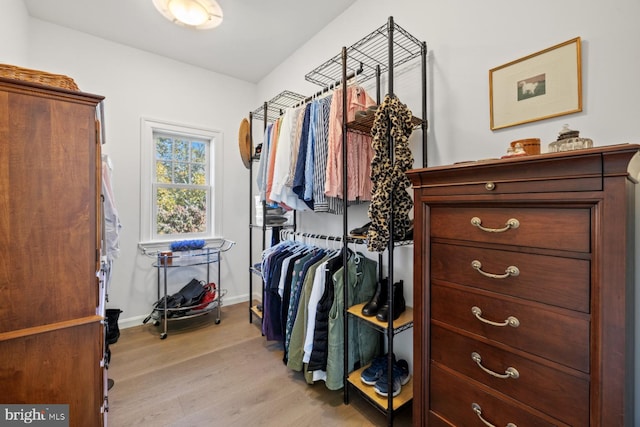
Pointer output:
x,y
377,369
400,377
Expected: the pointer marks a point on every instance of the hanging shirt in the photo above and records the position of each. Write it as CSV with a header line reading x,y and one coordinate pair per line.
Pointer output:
x,y
295,146
261,176
112,223
364,341
298,180
320,203
273,148
316,293
309,169
299,329
280,193
359,151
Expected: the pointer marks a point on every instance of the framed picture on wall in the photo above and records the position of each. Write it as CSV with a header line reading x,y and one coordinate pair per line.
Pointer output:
x,y
539,86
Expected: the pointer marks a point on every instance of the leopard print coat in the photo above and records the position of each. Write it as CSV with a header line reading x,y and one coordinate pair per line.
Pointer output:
x,y
392,122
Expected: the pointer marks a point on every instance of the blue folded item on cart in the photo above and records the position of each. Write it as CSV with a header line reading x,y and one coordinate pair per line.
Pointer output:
x,y
187,245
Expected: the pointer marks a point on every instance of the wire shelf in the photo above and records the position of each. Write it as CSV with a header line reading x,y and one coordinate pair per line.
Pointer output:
x,y
277,105
368,53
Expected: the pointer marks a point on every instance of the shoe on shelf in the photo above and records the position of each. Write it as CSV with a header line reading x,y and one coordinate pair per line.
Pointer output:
x,y
399,304
360,231
378,299
376,369
400,377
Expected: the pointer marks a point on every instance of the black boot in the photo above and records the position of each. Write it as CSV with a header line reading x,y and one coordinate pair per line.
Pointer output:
x,y
399,305
113,331
378,299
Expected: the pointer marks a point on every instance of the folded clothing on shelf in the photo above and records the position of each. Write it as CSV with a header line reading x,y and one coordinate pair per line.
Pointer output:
x,y
274,215
275,210
276,220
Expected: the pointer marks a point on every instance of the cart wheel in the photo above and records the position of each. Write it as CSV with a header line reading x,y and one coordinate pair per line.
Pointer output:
x,y
163,335
217,321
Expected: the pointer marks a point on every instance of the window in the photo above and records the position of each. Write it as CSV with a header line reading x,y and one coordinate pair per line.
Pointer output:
x,y
181,185
179,177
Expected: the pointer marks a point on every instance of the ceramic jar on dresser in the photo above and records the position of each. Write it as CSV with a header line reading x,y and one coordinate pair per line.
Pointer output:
x,y
523,290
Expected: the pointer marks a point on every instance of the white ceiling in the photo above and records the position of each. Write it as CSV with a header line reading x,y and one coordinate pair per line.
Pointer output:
x,y
255,36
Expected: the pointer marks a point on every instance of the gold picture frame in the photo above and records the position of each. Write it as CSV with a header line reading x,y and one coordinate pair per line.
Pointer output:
x,y
539,86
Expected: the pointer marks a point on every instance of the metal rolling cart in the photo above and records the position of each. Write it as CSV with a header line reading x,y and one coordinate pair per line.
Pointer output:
x,y
165,261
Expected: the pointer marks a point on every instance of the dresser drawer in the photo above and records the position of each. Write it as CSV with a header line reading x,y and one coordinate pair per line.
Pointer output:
x,y
562,282
559,335
553,228
551,391
453,398
521,175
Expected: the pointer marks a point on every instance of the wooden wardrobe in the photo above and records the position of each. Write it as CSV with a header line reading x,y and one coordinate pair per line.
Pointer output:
x,y
51,337
524,290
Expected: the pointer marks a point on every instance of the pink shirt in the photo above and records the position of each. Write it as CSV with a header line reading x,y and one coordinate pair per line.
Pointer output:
x,y
272,157
359,151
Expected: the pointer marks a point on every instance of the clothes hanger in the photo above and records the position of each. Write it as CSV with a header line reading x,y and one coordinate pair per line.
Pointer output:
x,y
356,257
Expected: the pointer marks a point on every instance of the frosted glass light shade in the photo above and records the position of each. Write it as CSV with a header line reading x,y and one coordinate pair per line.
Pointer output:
x,y
199,14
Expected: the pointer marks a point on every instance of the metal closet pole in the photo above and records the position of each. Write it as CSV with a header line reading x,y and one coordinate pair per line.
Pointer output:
x,y
378,100
390,27
425,124
345,254
265,118
264,202
251,207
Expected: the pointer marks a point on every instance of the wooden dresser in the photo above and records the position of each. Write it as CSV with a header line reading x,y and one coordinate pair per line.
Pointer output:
x,y
51,338
523,290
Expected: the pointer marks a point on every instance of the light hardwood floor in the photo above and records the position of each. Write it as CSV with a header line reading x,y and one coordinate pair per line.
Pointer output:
x,y
228,374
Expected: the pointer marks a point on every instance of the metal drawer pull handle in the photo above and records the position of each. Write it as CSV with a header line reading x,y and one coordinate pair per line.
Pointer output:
x,y
511,223
512,270
511,320
478,410
509,373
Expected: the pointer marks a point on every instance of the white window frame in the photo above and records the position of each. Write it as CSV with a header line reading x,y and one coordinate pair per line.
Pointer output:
x,y
148,238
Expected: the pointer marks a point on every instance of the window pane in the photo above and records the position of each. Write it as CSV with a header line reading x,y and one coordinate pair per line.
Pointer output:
x,y
198,152
181,150
181,173
164,147
181,211
197,174
163,172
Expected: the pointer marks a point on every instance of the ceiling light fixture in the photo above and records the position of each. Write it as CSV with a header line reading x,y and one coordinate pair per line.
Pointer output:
x,y
198,14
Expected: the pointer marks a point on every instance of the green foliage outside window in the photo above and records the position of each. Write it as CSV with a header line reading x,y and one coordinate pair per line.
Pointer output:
x,y
181,185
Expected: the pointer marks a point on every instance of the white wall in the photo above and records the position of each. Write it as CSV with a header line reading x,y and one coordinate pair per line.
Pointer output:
x,y
138,84
14,33
465,40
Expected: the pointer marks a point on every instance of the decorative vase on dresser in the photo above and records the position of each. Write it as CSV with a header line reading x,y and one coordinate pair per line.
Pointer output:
x,y
51,335
523,290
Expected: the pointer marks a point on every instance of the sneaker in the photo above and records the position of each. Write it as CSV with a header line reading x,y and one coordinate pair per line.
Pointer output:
x,y
400,378
376,370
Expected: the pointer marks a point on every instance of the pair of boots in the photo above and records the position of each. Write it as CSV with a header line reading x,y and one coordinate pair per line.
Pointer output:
x,y
379,304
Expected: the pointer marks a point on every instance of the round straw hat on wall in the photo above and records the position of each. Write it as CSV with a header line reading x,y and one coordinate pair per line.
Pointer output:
x,y
244,143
